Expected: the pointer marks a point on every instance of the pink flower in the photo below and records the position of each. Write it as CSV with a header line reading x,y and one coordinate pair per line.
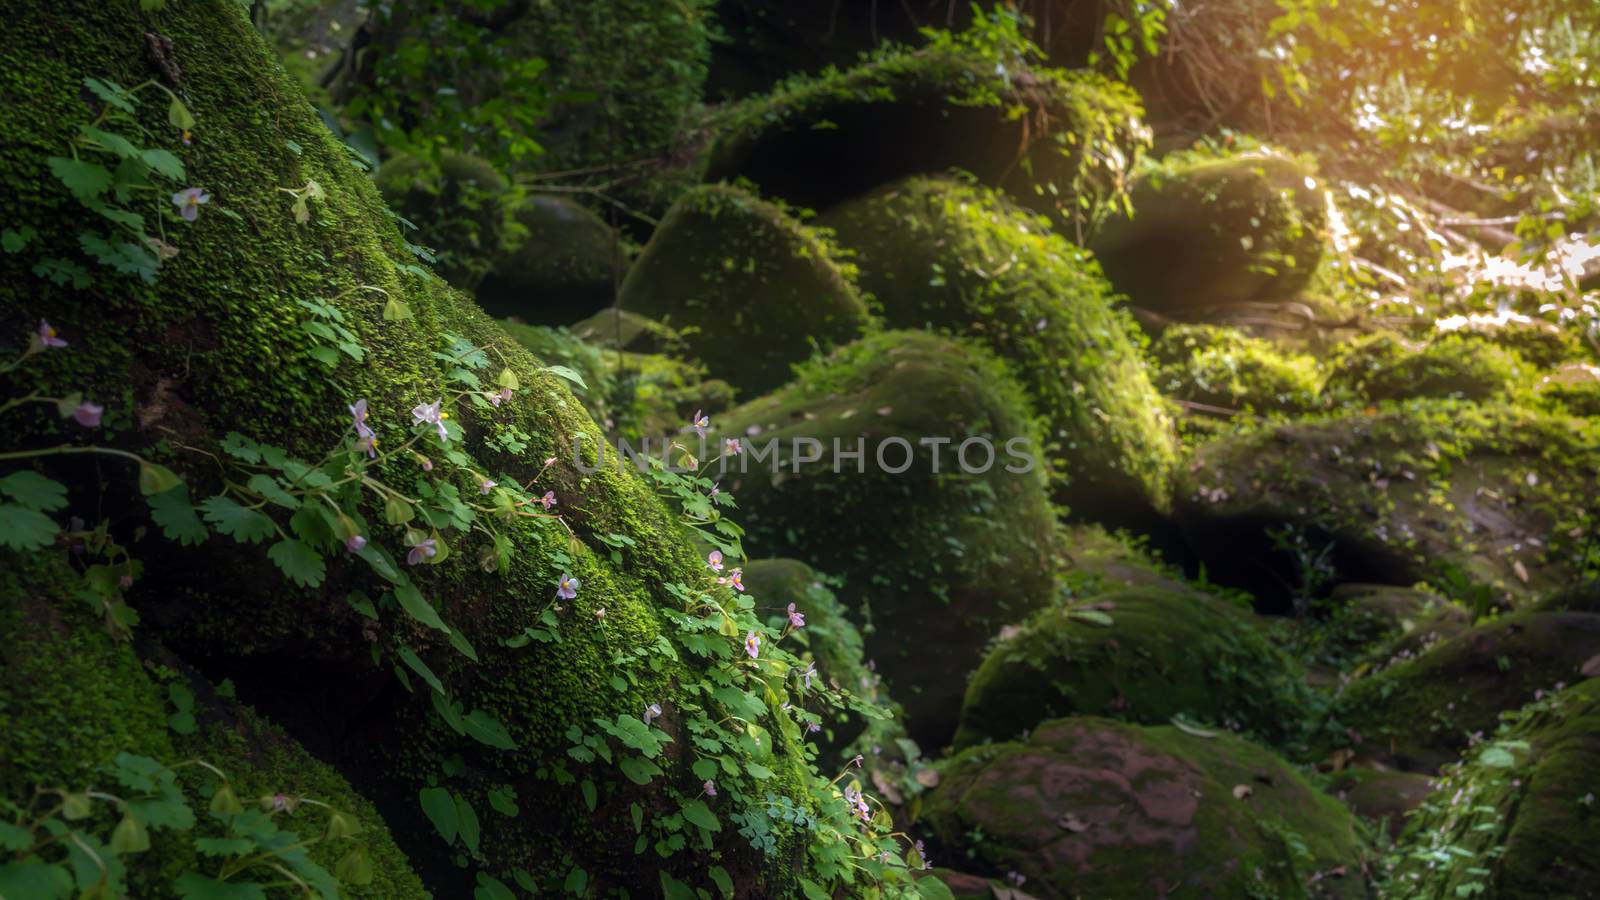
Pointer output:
x,y
710,788
797,619
716,489
567,588
88,414
422,550
485,486
431,414
736,578
809,673
188,202
714,560
699,422
752,644
600,613
732,447
125,582
366,440
427,464
651,713
548,500
47,335
355,542
813,728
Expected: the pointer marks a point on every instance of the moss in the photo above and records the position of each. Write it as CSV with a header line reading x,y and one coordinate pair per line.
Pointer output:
x,y
1542,343
1386,367
1364,624
1226,367
959,258
458,204
1517,818
1383,795
1059,142
1162,654
1229,230
753,290
1427,491
214,345
1101,808
934,562
78,697
1420,712
561,263
1095,561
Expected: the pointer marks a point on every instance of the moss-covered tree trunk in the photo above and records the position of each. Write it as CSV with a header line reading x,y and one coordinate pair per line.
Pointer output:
x,y
288,297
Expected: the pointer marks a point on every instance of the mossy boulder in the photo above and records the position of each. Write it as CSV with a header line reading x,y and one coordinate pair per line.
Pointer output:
x,y
458,204
1097,807
1058,141
73,697
1095,561
1387,367
1224,367
1431,490
1141,655
1518,817
958,257
1421,712
753,290
1383,795
561,262
619,329
1369,623
212,344
1543,343
933,563
1210,232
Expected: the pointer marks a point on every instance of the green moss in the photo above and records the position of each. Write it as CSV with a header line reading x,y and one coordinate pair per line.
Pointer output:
x,y
1057,141
1101,808
1545,344
1226,367
1383,795
459,205
952,256
934,563
1386,367
1229,230
1095,561
752,290
1517,818
1423,710
561,262
1162,654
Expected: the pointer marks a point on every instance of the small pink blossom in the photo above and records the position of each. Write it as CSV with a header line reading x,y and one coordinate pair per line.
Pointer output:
x,y
125,582
567,588
600,613
485,486
732,447
736,579
366,440
421,551
813,728
47,336
700,422
88,414
796,618
752,644
714,560
427,464
809,673
354,543
548,500
652,713
188,202
432,414
716,489
709,788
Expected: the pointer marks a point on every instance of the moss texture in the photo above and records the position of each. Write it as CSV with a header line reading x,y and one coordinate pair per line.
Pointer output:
x,y
73,698
1382,795
1225,367
956,257
1096,807
933,563
754,290
1518,818
1162,654
1406,494
561,263
1421,712
1239,229
458,204
1387,367
1059,142
214,345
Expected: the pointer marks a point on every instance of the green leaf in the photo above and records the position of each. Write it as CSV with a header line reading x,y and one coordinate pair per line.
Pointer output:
x,y
397,511
468,824
84,179
224,846
673,889
412,602
463,646
698,813
14,240
176,516
591,796
354,867
440,808
247,526
14,837
238,446
637,770
194,886
491,888
577,882
156,479
178,115
705,768
1092,616
415,664
25,529
396,310
485,729
34,880
268,487
303,565
1497,758
130,836
111,141
568,374
722,879
931,888
111,92
34,490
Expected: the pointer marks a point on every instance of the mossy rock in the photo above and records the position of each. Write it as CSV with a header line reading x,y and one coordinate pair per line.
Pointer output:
x,y
619,329
1420,713
1382,795
933,563
1217,366
1095,561
1057,141
1229,230
73,698
1387,367
957,257
212,344
1540,342
1436,491
1142,655
1572,389
754,290
458,203
1097,807
1366,624
561,263
1518,819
